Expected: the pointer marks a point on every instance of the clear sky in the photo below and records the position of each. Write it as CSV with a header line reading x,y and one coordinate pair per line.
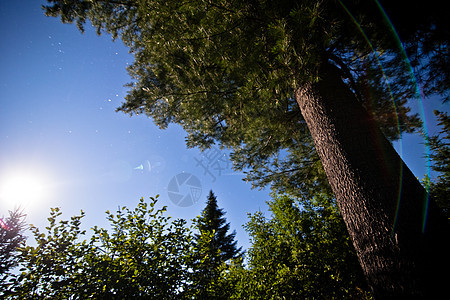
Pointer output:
x,y
62,141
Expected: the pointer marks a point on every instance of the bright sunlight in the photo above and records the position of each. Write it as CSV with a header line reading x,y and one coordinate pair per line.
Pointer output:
x,y
23,189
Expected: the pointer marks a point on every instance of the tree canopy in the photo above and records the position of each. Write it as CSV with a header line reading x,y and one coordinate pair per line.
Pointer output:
x,y
227,70
283,83
143,254
297,252
300,251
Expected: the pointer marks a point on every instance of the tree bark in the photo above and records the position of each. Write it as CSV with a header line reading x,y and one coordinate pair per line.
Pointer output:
x,y
400,238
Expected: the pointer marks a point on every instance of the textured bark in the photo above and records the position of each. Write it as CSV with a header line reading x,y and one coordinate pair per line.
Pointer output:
x,y
381,201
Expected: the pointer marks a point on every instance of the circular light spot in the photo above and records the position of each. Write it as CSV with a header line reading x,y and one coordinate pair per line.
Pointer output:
x,y
23,189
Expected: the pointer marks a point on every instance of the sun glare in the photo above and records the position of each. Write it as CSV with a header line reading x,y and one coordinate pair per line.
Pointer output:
x,y
23,189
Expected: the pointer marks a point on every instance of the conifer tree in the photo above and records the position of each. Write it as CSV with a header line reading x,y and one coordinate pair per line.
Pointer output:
x,y
440,156
11,238
213,247
317,80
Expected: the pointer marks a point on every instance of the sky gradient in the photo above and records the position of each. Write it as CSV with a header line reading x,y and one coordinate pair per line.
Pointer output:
x,y
58,93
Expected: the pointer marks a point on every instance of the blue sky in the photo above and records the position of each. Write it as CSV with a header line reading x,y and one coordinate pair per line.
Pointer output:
x,y
58,93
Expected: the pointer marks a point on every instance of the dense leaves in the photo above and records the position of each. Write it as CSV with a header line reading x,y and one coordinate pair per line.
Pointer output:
x,y
300,252
144,253
52,268
232,72
227,70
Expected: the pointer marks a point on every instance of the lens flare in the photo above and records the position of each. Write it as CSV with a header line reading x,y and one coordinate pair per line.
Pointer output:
x,y
421,109
4,225
417,94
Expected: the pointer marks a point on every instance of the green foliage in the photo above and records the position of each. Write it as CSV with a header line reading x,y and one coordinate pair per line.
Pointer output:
x,y
440,157
11,238
227,70
214,249
53,268
302,252
144,253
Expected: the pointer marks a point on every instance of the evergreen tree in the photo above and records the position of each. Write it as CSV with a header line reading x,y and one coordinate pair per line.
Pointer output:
x,y
11,238
309,78
440,157
214,246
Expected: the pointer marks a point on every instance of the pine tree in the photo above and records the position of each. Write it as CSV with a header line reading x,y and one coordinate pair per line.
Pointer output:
x,y
11,238
214,247
315,80
440,156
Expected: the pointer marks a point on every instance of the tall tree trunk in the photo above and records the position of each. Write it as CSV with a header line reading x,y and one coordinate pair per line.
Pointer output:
x,y
401,240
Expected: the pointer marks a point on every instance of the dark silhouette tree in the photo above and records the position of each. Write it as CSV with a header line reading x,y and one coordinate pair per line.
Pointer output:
x,y
440,158
214,247
262,77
